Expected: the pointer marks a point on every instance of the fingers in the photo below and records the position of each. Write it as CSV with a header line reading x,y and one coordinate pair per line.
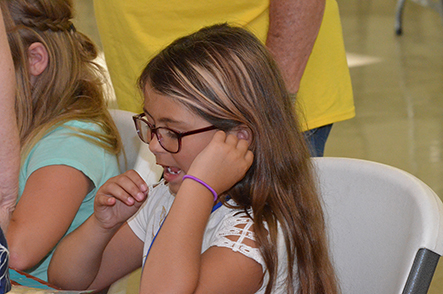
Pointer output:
x,y
235,145
238,144
230,139
223,162
128,188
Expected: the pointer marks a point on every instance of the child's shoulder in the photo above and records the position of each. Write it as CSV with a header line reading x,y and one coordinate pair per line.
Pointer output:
x,y
159,194
155,207
73,126
159,188
80,124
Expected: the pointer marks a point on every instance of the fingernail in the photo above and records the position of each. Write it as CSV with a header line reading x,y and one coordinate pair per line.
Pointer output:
x,y
140,196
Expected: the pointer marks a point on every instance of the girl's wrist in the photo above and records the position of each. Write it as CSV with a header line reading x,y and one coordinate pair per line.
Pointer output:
x,y
204,184
102,228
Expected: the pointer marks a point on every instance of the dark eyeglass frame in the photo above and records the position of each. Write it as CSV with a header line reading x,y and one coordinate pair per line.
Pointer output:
x,y
154,131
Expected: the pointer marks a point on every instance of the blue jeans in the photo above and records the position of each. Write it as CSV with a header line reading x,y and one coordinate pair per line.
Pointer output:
x,y
5,283
316,139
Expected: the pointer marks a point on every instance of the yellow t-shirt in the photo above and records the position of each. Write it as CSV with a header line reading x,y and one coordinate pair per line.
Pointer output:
x,y
132,32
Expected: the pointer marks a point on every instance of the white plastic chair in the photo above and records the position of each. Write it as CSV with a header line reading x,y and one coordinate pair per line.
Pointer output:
x,y
138,155
385,226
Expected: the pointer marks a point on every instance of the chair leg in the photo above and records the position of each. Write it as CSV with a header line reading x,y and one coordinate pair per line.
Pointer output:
x,y
421,273
440,9
399,17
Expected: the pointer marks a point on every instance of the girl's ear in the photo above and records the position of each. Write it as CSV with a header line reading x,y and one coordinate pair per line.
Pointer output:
x,y
38,58
243,133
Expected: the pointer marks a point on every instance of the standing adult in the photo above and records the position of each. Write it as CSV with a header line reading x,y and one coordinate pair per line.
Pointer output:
x,y
9,137
9,152
304,36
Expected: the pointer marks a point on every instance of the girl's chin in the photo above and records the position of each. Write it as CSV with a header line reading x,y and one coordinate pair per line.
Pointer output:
x,y
173,188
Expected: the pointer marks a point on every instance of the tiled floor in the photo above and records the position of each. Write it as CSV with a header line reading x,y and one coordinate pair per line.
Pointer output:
x,y
398,88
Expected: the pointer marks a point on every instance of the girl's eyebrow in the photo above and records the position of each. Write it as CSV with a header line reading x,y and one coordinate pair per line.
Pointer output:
x,y
162,120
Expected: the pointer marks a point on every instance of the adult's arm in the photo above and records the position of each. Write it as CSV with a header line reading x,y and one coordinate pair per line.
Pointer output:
x,y
293,29
9,138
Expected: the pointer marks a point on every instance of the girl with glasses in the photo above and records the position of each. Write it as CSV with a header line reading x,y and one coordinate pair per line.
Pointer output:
x,y
68,141
237,211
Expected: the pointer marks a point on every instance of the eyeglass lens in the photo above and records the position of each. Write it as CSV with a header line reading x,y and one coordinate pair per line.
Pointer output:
x,y
167,138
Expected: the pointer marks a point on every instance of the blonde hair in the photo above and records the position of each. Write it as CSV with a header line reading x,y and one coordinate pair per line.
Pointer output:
x,y
225,75
70,88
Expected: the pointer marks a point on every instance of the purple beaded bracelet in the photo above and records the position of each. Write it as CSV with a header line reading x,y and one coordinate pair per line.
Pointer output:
x,y
204,184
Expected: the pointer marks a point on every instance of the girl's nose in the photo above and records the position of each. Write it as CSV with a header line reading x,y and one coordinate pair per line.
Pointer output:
x,y
155,146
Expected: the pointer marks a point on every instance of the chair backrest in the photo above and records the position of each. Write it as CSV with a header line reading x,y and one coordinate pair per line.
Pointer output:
x,y
138,155
385,226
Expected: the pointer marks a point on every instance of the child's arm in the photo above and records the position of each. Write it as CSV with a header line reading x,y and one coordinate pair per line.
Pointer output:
x,y
175,263
93,258
49,202
103,248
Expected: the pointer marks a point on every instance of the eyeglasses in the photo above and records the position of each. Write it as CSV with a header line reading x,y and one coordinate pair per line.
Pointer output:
x,y
170,140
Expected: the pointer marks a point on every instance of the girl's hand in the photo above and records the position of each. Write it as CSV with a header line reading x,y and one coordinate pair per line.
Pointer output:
x,y
223,162
119,198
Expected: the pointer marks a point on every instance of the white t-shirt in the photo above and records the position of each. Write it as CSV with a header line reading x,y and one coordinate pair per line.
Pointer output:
x,y
223,222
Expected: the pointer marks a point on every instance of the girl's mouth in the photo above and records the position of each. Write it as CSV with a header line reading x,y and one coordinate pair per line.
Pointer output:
x,y
171,173
172,170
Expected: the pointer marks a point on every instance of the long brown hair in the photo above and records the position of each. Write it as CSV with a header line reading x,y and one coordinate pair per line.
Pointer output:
x,y
225,75
70,88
